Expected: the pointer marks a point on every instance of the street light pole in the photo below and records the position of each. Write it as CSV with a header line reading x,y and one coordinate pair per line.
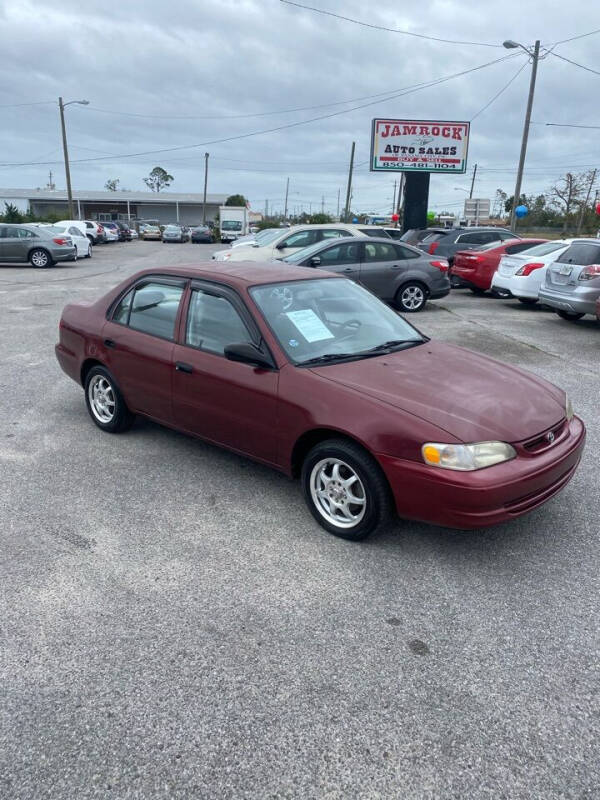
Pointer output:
x,y
61,106
535,56
205,183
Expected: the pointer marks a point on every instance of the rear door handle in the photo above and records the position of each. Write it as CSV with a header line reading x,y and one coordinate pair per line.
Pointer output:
x,y
181,367
348,269
395,266
109,343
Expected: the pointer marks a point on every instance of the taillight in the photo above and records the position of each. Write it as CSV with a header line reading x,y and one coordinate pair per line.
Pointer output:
x,y
527,269
441,265
587,274
61,240
472,258
100,229
433,247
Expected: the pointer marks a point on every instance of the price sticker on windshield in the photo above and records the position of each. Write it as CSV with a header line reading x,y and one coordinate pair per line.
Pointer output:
x,y
309,325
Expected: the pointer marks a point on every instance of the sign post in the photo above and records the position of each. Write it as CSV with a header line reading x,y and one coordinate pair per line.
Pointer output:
x,y
418,148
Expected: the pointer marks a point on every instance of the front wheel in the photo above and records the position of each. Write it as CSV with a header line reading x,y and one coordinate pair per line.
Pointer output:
x,y
105,402
411,297
345,489
572,316
40,258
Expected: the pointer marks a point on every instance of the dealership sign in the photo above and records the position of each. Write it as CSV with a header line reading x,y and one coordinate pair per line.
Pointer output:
x,y
419,145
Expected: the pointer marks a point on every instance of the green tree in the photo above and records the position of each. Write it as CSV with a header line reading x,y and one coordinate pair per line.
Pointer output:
x,y
320,219
11,214
236,200
112,184
158,179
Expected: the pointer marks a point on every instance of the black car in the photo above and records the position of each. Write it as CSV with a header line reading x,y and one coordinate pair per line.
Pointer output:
x,y
415,236
445,243
202,234
124,231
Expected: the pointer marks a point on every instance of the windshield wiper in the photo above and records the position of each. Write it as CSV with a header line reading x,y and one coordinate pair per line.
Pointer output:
x,y
386,347
325,358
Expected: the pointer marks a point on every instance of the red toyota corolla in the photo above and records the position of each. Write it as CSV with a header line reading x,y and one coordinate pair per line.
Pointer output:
x,y
313,375
474,269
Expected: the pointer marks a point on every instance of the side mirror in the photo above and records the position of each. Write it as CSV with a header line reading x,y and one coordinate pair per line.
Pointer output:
x,y
315,261
247,353
281,246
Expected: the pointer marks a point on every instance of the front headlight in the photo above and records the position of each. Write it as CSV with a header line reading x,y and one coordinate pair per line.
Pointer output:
x,y
466,457
569,410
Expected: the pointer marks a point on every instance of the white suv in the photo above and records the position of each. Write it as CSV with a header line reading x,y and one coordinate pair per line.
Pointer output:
x,y
289,240
94,231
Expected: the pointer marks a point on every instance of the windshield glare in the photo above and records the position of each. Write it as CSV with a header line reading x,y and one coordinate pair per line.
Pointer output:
x,y
329,316
305,252
231,225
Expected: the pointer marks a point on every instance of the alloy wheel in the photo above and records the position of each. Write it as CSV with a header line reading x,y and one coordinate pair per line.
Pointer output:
x,y
412,297
102,399
338,493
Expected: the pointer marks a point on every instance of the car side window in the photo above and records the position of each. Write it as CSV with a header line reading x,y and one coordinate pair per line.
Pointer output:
x,y
213,323
468,238
346,253
405,252
503,235
377,251
301,239
74,231
332,233
18,233
152,309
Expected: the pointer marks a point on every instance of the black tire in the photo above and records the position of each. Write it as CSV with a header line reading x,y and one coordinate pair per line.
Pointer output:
x,y
91,238
477,291
528,301
89,252
372,485
411,297
571,316
40,258
121,418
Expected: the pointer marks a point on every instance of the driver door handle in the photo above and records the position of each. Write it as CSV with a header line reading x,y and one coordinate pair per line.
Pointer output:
x,y
181,367
395,266
348,269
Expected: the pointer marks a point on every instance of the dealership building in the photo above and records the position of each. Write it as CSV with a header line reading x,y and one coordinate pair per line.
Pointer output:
x,y
161,207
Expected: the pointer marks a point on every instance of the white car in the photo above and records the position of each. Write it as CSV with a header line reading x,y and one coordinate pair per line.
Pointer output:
x,y
94,231
287,240
521,275
83,246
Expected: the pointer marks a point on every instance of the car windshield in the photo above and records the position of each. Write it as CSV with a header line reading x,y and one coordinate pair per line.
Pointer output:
x,y
544,249
327,320
173,228
231,225
305,252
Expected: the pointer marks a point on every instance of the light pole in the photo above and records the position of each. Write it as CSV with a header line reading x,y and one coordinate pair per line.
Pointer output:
x,y
62,106
535,55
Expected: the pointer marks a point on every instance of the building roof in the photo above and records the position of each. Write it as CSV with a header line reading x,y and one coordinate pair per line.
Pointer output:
x,y
117,197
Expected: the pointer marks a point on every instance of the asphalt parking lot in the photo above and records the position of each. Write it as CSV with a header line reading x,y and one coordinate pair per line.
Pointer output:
x,y
175,624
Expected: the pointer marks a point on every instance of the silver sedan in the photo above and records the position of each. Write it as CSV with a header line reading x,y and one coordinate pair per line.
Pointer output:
x,y
41,246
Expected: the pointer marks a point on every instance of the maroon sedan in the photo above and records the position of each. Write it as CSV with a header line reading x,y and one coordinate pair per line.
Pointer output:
x,y
314,376
474,269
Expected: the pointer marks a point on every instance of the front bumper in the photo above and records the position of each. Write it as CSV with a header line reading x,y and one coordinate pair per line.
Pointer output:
x,y
471,500
581,301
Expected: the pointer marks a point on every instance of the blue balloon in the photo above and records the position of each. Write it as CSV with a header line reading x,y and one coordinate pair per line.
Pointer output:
x,y
521,211
354,219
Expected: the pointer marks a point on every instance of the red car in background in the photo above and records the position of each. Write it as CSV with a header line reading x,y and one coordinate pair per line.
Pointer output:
x,y
474,269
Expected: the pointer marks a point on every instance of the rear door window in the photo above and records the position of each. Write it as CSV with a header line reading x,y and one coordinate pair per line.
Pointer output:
x,y
333,233
377,251
406,252
301,239
581,253
151,308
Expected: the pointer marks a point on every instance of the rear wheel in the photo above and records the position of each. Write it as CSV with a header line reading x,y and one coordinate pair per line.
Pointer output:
x,y
40,258
345,489
105,402
411,297
527,301
572,316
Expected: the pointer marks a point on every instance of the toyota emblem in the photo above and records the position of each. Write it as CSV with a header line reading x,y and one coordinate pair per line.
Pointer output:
x,y
550,437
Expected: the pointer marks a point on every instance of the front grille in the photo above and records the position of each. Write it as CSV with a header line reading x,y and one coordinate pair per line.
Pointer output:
x,y
547,439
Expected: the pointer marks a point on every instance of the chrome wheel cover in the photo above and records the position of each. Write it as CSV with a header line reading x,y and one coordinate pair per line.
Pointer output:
x,y
337,493
40,259
102,399
412,297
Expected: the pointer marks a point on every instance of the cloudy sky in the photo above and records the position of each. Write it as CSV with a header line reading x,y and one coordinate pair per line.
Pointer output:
x,y
188,73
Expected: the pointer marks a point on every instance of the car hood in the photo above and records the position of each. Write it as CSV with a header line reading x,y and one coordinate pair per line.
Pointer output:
x,y
470,396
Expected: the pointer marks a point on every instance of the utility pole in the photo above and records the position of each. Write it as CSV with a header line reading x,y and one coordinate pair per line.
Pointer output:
x,y
322,204
349,188
287,189
400,192
66,155
205,185
266,208
394,199
535,56
473,181
584,207
338,205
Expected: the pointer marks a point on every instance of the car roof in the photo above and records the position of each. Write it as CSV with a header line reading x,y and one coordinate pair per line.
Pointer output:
x,y
239,273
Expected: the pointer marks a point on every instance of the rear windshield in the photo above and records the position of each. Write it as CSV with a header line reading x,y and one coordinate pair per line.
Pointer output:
x,y
543,249
433,237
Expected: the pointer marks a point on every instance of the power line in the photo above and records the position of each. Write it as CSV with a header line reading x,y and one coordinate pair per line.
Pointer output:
x,y
579,36
289,125
383,28
564,125
39,103
575,64
504,88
